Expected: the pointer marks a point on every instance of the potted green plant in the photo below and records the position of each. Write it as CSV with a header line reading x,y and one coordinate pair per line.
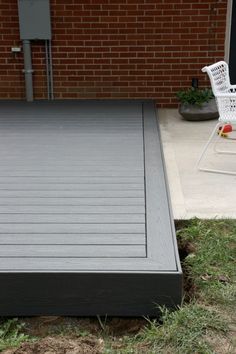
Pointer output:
x,y
197,104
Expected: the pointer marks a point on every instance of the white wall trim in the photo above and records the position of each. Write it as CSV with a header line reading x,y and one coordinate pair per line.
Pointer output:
x,y
228,29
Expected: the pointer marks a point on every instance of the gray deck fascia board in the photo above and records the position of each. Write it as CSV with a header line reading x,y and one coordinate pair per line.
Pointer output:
x,y
130,294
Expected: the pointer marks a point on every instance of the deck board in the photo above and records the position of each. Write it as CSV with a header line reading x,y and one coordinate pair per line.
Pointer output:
x,y
72,239
83,190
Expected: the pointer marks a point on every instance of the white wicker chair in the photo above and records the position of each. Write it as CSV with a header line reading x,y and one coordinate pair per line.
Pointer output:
x,y
225,95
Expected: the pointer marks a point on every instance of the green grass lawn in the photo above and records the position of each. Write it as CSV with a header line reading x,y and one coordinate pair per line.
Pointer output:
x,y
204,324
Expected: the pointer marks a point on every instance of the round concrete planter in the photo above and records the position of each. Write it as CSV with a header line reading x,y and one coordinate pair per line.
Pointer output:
x,y
208,110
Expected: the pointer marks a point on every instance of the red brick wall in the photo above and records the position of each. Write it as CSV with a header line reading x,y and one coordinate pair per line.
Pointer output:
x,y
117,48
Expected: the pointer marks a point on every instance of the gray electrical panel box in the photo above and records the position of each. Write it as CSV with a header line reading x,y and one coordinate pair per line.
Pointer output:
x,y
34,18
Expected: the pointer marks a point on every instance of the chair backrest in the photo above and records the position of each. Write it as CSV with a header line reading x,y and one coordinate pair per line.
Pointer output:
x,y
219,77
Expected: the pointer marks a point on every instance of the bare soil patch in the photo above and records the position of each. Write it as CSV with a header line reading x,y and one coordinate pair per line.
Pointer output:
x,y
50,325
185,248
60,345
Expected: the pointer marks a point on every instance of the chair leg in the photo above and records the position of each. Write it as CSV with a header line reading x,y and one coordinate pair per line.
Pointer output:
x,y
204,152
212,170
218,151
207,144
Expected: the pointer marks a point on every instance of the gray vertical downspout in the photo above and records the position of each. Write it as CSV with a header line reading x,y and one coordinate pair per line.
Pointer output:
x,y
28,70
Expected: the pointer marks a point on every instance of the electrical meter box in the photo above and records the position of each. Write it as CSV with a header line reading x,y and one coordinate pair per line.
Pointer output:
x,y
34,18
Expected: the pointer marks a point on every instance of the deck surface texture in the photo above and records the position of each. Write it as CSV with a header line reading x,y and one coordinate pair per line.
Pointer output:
x,y
83,189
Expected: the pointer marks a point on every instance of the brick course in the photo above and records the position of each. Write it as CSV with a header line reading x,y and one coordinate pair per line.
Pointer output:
x,y
117,48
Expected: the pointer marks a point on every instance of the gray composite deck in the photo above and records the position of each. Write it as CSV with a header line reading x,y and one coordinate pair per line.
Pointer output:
x,y
85,220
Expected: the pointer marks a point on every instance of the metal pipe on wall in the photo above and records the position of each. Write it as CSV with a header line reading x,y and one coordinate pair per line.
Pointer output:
x,y
47,69
51,70
28,70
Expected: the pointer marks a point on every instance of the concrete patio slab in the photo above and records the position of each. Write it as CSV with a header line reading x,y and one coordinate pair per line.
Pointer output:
x,y
195,193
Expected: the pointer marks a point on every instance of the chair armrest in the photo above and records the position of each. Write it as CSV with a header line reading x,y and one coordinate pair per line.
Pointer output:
x,y
233,88
226,95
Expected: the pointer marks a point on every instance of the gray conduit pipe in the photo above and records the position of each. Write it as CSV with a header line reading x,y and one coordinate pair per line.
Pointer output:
x,y
28,70
47,70
51,70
